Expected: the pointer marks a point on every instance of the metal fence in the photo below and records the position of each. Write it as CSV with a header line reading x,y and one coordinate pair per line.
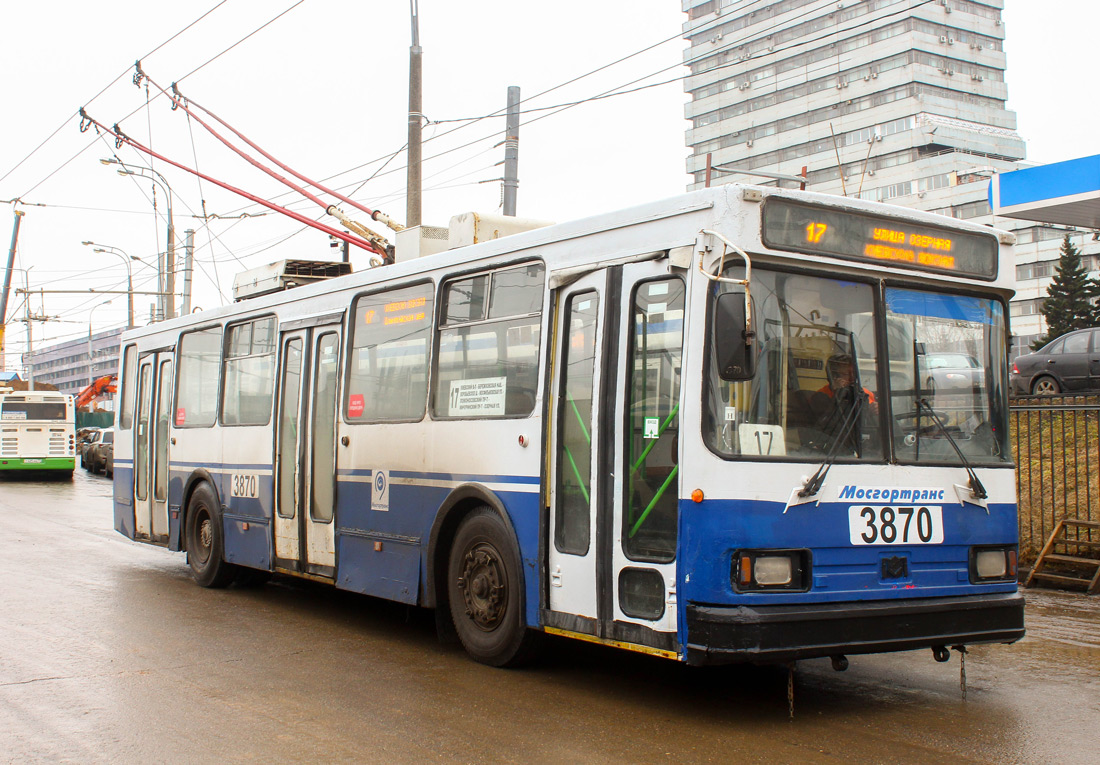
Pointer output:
x,y
1056,443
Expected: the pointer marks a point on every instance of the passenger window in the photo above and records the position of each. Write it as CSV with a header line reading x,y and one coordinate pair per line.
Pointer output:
x,y
389,356
249,373
489,344
129,380
199,369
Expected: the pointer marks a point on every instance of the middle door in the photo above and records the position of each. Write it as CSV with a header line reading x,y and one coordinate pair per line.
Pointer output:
x,y
305,538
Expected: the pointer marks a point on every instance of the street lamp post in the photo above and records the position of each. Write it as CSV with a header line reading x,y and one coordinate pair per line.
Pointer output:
x,y
91,375
129,276
167,269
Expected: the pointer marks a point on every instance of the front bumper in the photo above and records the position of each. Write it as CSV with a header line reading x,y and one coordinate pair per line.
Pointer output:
x,y
777,634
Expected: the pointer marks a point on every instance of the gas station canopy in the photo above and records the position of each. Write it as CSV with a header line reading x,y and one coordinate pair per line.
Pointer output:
x,y
1064,192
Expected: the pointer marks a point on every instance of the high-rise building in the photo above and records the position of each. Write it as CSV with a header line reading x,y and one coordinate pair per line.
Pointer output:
x,y
73,364
900,101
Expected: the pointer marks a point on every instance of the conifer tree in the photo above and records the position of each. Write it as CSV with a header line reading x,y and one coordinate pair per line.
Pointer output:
x,y
1069,296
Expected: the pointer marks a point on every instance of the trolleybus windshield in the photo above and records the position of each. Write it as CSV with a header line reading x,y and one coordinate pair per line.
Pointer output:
x,y
818,360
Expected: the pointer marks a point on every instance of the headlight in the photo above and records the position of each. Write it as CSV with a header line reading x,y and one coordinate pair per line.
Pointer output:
x,y
772,571
757,570
988,564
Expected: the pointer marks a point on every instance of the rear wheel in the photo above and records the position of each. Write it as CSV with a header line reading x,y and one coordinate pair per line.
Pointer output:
x,y
1046,386
485,589
206,540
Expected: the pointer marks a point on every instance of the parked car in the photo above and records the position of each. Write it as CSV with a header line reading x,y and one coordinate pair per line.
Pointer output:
x,y
951,372
84,443
1069,364
109,459
96,457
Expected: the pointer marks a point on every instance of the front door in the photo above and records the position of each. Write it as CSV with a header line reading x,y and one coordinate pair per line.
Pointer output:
x,y
614,488
151,447
305,475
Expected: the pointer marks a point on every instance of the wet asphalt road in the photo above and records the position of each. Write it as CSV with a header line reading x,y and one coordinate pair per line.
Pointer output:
x,y
108,653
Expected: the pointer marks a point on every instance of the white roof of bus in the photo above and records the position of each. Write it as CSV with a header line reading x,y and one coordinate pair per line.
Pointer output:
x,y
658,225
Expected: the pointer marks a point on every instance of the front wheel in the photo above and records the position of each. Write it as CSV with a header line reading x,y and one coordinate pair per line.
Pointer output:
x,y
485,590
206,540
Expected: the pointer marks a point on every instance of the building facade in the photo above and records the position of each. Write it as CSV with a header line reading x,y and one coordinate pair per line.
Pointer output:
x,y
899,101
73,364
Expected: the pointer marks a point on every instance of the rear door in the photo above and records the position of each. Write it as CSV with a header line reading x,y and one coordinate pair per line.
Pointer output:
x,y
154,413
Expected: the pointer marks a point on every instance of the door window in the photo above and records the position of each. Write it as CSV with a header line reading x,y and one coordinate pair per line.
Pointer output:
x,y
574,464
656,339
1077,343
288,427
322,472
164,417
141,459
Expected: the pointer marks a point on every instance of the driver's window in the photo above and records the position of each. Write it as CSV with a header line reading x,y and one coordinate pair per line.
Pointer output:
x,y
816,386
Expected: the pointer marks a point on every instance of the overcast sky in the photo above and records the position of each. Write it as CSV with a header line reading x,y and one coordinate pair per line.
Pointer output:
x,y
324,89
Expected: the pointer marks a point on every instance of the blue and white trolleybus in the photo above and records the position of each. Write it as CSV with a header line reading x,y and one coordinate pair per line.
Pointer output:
x,y
704,428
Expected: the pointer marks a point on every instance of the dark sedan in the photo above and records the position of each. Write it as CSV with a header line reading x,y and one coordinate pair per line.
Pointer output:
x,y
1069,364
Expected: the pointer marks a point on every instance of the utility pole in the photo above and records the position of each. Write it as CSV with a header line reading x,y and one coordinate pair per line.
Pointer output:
x,y
7,277
188,267
170,267
412,204
511,152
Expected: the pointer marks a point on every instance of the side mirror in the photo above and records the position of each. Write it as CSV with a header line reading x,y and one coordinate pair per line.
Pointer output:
x,y
734,346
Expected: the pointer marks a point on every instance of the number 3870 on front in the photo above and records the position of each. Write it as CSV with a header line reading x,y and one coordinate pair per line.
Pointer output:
x,y
895,525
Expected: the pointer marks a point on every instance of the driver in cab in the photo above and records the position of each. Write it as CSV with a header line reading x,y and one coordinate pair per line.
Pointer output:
x,y
833,402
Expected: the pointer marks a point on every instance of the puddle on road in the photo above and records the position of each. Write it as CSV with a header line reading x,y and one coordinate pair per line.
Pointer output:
x,y
1068,618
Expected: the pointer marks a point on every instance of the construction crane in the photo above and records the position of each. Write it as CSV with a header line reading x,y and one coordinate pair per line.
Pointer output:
x,y
98,387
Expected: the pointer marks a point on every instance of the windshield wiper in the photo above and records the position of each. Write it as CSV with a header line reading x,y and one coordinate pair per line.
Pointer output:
x,y
817,480
976,487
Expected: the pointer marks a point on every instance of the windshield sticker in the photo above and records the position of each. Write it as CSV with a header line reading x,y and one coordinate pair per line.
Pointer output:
x,y
890,493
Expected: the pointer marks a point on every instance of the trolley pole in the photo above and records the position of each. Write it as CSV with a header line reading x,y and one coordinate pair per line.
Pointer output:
x,y
412,204
511,152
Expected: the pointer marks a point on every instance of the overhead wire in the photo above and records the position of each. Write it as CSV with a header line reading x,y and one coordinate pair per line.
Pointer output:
x,y
124,72
135,111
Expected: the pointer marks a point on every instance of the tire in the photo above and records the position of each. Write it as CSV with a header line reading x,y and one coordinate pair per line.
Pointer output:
x,y
206,540
485,590
1046,386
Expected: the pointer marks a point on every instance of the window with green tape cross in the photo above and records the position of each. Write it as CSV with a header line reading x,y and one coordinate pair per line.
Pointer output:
x,y
572,524
653,422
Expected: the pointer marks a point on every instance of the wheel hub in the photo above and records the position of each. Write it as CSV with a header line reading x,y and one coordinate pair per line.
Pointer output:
x,y
483,586
206,539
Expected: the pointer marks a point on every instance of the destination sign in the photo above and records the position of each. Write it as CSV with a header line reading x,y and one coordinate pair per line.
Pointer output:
x,y
398,312
819,230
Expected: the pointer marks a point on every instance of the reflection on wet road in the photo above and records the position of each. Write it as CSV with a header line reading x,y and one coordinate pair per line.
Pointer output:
x,y
108,653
